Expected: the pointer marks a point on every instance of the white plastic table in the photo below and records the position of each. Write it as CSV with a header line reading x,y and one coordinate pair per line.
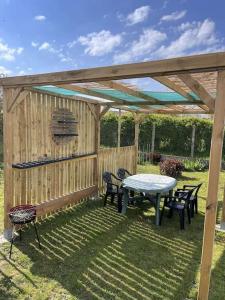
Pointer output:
x,y
150,184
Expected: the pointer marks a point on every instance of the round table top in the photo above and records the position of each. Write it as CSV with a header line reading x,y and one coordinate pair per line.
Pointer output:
x,y
149,183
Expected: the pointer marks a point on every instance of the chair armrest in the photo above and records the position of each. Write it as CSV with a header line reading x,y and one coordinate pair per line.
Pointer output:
x,y
117,178
189,186
128,173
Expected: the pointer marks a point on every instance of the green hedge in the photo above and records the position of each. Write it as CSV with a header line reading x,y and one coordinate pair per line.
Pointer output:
x,y
172,135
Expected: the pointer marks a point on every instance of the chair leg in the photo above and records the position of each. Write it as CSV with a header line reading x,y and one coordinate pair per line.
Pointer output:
x,y
196,205
192,207
188,214
112,198
170,214
120,197
35,228
105,199
12,240
182,216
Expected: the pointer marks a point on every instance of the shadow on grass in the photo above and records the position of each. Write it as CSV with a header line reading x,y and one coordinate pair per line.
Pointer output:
x,y
96,253
217,287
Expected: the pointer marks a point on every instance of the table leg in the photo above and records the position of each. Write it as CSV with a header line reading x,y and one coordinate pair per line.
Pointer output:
x,y
125,200
157,209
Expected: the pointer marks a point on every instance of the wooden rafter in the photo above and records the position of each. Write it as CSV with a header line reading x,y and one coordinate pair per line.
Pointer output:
x,y
172,66
173,86
124,89
198,89
91,92
135,93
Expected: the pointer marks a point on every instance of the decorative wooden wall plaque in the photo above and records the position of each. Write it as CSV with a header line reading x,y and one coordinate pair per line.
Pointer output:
x,y
63,126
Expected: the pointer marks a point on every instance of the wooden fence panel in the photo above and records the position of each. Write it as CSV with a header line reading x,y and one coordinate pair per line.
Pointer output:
x,y
110,159
54,185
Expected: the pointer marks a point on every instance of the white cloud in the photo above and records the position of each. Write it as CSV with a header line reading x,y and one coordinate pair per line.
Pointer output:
x,y
100,43
196,37
176,15
4,71
138,15
34,44
19,50
7,53
147,42
64,57
40,18
44,46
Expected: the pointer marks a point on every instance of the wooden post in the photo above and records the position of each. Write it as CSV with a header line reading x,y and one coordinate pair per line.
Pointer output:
x,y
213,182
97,145
8,159
136,139
193,141
119,129
153,139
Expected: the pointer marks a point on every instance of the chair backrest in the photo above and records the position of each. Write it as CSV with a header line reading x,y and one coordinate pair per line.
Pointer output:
x,y
107,177
121,173
195,188
186,195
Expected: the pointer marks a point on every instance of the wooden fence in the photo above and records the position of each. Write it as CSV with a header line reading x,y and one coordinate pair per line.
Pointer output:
x,y
77,163
110,159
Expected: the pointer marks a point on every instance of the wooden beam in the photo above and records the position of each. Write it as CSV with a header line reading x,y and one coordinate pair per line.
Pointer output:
x,y
22,96
15,94
213,183
8,159
124,89
180,65
104,111
199,90
176,88
58,203
97,145
92,109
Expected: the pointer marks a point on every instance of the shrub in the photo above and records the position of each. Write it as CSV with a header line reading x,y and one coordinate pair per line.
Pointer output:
x,y
171,167
155,157
195,165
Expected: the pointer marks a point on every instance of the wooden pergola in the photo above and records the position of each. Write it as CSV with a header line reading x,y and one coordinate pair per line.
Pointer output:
x,y
199,85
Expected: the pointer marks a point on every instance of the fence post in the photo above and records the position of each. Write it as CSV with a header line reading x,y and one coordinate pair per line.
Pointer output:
x,y
97,146
153,138
136,140
119,129
193,141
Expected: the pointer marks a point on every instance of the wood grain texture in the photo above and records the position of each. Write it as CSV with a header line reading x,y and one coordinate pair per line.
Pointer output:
x,y
213,182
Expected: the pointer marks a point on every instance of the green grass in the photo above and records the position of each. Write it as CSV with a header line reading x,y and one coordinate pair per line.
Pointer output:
x,y
91,252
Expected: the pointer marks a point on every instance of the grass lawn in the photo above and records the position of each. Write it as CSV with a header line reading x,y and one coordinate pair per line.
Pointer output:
x,y
91,252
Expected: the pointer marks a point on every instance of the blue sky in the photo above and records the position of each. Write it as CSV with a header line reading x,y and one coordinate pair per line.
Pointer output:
x,y
38,36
